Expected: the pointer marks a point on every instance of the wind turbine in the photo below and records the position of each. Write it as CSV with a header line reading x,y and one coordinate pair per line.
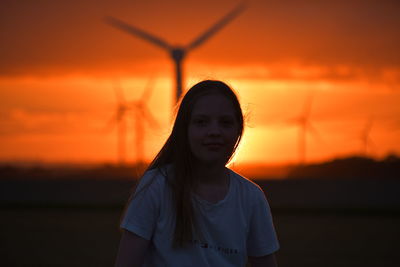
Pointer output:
x,y
177,53
365,136
141,113
119,118
305,126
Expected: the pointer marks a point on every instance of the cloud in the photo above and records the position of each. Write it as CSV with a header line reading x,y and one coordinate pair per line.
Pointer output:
x,y
19,122
62,36
297,71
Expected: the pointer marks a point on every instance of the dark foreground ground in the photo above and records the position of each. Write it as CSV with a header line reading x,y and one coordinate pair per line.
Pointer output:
x,y
331,224
89,237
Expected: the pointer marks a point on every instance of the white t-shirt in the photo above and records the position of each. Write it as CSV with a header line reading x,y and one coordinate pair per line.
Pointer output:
x,y
232,229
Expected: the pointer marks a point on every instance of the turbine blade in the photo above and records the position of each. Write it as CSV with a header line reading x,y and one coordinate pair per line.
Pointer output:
x,y
294,121
313,131
148,90
217,26
149,118
137,32
111,123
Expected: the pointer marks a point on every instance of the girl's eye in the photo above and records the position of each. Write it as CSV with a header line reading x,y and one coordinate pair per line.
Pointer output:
x,y
227,122
200,122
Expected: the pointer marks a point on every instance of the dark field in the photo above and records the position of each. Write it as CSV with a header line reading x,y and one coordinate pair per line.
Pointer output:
x,y
331,224
89,237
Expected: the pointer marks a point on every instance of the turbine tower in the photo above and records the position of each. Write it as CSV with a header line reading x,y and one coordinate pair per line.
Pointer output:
x,y
177,53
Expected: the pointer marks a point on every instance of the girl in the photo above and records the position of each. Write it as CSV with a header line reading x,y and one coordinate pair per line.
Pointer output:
x,y
191,210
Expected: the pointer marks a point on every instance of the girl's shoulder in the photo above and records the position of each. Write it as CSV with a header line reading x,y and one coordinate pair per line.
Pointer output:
x,y
246,186
153,179
247,191
156,173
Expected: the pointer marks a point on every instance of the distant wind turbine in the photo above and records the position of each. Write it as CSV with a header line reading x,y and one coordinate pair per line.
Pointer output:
x,y
141,113
365,137
305,126
119,118
177,53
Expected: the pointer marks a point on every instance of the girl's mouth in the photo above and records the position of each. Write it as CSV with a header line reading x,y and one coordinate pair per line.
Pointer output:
x,y
213,146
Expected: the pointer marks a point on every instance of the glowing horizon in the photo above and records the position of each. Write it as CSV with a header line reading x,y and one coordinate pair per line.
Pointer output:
x,y
81,124
57,76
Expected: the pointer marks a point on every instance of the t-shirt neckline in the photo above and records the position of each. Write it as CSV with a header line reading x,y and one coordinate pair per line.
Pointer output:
x,y
220,202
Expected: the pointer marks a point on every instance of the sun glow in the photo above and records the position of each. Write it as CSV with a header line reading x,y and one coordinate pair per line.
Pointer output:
x,y
49,118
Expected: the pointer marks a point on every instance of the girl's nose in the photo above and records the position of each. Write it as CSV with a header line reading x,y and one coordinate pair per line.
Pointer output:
x,y
214,129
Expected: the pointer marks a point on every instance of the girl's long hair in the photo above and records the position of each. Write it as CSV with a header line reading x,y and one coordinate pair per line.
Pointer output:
x,y
176,153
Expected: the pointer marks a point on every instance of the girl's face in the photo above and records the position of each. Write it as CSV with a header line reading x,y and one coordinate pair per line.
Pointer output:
x,y
213,129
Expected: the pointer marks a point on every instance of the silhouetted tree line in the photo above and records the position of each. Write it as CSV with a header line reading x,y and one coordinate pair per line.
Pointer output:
x,y
350,168
343,168
106,171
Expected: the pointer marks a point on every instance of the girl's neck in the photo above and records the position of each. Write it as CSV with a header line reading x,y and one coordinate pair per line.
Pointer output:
x,y
214,174
211,183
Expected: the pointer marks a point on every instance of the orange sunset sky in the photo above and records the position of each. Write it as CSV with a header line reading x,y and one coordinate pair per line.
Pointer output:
x,y
60,62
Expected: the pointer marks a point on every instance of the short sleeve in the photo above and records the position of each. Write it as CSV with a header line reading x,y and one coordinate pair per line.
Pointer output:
x,y
143,209
262,239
